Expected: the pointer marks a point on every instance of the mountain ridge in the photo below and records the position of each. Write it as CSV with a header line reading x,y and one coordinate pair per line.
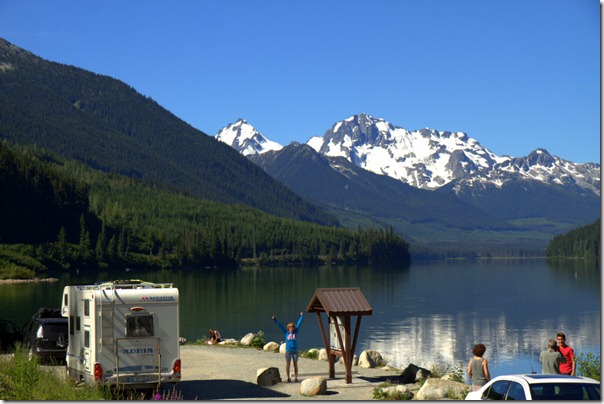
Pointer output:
x,y
429,159
108,125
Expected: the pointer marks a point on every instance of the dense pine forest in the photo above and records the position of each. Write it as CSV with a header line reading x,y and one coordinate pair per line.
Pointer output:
x,y
582,243
107,125
61,215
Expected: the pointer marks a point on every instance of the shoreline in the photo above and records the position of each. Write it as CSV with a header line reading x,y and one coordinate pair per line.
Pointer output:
x,y
214,372
32,280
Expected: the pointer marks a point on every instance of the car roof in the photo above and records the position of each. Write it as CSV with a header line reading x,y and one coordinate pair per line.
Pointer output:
x,y
543,378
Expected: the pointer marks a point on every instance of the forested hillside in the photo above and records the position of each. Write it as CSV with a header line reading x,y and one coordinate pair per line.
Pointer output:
x,y
107,125
583,242
62,215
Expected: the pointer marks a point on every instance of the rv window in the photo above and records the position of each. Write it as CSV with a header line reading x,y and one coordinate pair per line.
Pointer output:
x,y
71,325
139,325
65,299
87,339
87,308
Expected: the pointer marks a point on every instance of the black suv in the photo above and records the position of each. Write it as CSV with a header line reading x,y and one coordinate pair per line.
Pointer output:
x,y
46,335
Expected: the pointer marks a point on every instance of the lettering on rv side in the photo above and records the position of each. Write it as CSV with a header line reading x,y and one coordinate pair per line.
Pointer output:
x,y
157,299
130,351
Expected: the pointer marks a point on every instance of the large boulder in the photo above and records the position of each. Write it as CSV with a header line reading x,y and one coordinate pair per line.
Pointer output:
x,y
313,386
370,359
282,348
229,342
267,376
247,339
324,357
414,373
270,346
438,389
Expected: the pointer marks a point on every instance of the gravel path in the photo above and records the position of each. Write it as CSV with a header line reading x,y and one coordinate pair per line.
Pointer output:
x,y
211,372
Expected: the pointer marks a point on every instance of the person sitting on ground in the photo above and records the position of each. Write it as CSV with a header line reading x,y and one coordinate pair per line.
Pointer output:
x,y
214,337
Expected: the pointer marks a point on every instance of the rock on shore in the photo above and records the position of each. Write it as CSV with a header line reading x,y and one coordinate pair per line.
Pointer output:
x,y
369,375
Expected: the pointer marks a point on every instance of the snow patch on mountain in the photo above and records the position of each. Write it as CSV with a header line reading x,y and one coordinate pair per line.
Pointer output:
x,y
244,138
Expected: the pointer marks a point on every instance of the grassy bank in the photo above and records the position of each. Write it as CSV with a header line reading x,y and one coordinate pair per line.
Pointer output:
x,y
24,379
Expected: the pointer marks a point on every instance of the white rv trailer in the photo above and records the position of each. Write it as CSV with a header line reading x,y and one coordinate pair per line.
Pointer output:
x,y
123,333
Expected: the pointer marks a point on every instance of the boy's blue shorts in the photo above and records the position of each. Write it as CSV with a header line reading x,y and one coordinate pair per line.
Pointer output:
x,y
291,354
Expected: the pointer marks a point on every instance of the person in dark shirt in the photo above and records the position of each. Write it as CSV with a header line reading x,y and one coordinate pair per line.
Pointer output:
x,y
478,368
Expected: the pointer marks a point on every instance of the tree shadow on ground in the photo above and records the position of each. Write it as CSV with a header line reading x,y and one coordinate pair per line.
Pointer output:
x,y
224,390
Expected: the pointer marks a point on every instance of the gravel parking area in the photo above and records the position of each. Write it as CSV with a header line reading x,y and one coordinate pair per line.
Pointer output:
x,y
213,372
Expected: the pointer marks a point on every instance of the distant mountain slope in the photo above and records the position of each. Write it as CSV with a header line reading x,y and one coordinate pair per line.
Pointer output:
x,y
560,202
106,124
339,184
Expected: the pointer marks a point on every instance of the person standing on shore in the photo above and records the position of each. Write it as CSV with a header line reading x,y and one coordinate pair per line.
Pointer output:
x,y
551,359
291,344
478,368
569,366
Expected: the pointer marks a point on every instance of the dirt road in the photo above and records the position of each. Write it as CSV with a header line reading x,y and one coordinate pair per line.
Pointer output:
x,y
222,373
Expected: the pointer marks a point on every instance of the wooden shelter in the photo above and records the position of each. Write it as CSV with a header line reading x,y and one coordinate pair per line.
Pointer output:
x,y
339,304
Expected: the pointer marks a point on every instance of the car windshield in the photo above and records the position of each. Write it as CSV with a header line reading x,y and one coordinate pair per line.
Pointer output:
x,y
52,331
565,391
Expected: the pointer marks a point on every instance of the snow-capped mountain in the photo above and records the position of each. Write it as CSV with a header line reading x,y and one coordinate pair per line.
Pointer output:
x,y
426,158
244,138
539,166
429,159
433,186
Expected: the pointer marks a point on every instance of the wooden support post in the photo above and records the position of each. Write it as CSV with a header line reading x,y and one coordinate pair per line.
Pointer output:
x,y
330,358
347,350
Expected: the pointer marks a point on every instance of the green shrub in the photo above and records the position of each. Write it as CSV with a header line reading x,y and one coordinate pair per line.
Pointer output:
x,y
310,354
588,365
382,393
451,395
258,340
21,378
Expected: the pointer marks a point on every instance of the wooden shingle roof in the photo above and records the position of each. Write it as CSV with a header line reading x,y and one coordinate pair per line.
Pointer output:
x,y
339,301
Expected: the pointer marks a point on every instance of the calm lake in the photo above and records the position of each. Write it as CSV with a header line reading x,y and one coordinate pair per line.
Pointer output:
x,y
432,312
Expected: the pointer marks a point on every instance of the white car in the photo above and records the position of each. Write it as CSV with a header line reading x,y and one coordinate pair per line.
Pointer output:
x,y
538,387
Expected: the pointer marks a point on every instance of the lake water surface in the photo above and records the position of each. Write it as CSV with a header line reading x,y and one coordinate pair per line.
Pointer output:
x,y
432,312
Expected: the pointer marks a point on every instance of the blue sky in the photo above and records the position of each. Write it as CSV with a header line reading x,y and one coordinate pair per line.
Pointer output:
x,y
515,75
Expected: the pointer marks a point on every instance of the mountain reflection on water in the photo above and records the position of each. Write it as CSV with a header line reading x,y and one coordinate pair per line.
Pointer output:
x,y
430,313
